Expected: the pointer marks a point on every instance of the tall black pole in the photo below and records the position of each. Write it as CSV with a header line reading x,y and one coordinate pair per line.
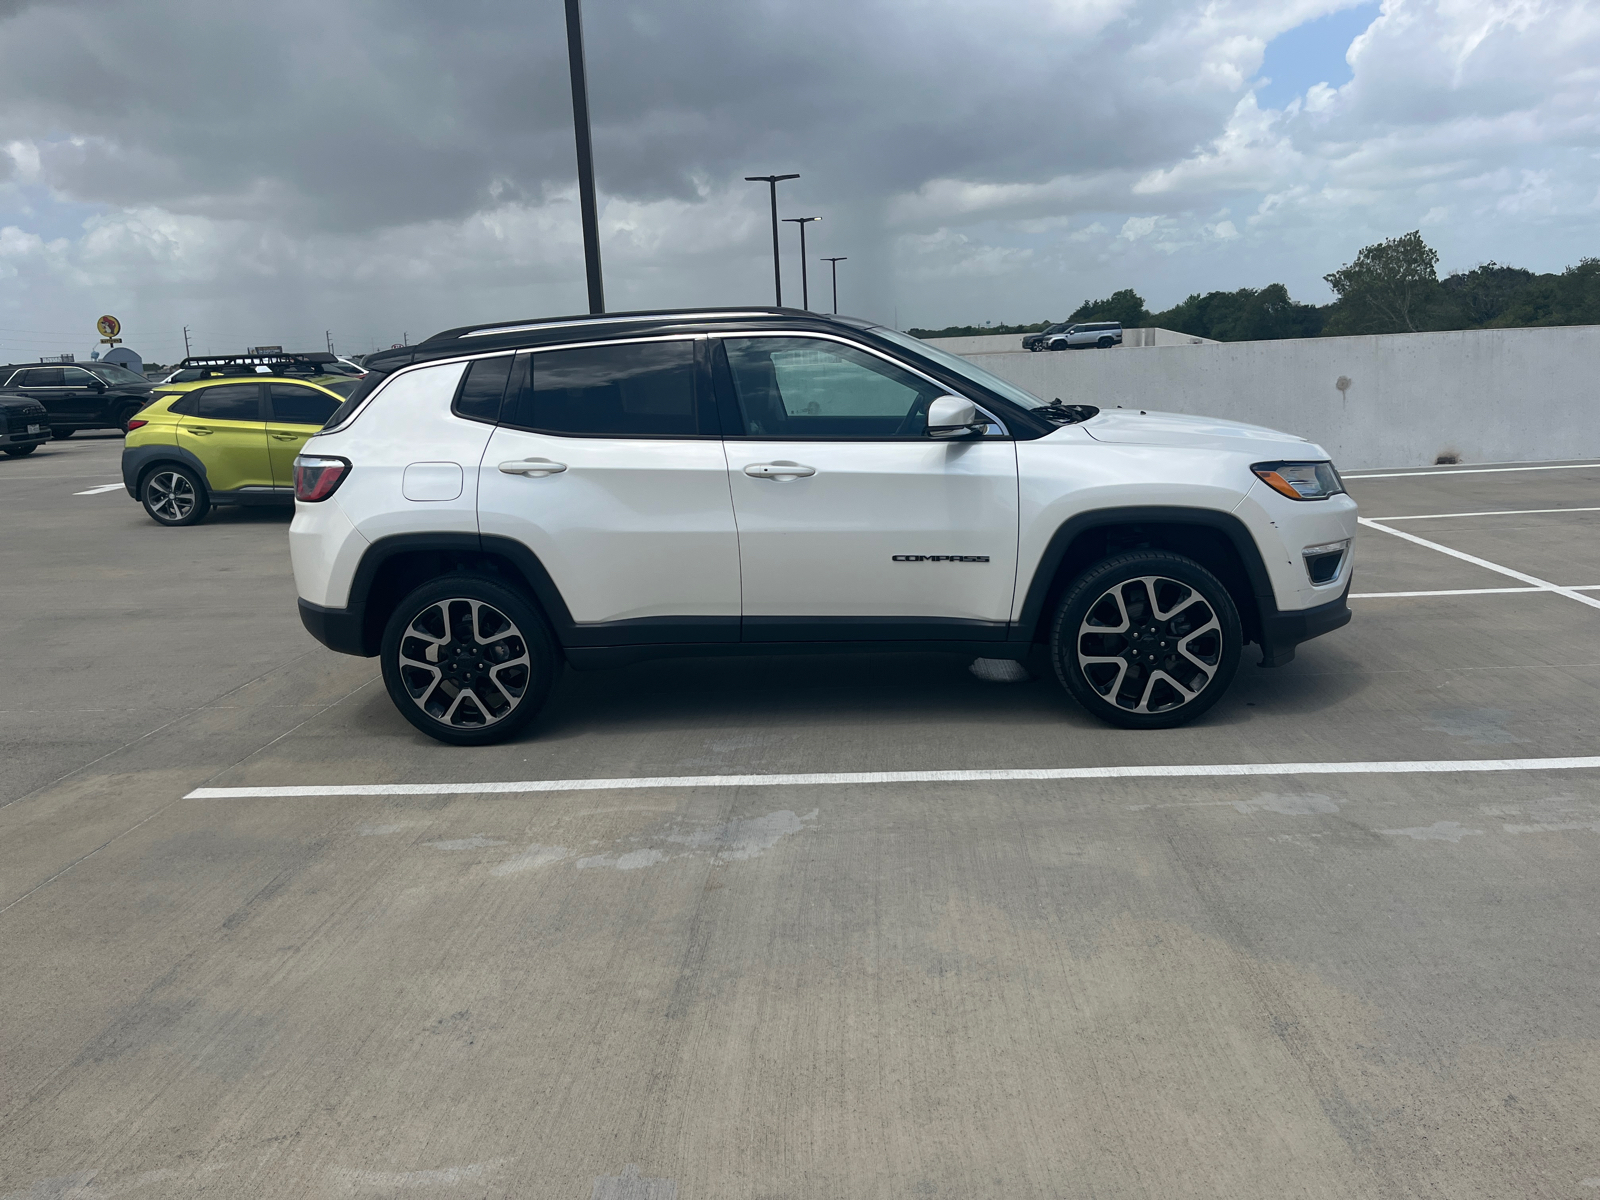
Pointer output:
x,y
580,129
805,291
772,181
835,263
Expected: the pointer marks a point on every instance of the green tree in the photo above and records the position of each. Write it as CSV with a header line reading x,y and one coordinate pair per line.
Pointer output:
x,y
1126,306
1388,289
1249,314
1479,296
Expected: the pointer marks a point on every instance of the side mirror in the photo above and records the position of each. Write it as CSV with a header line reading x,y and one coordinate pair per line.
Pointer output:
x,y
97,386
951,416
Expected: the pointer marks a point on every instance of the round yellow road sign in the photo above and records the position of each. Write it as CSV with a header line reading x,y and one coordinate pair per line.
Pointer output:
x,y
108,326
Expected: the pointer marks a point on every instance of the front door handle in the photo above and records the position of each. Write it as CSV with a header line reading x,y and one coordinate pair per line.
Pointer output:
x,y
783,472
286,437
532,467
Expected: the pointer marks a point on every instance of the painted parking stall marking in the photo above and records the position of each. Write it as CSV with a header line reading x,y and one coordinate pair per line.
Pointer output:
x,y
104,487
1541,584
859,778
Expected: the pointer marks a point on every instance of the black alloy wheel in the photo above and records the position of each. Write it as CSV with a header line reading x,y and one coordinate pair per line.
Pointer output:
x,y
61,432
1106,343
468,660
19,451
174,495
1146,640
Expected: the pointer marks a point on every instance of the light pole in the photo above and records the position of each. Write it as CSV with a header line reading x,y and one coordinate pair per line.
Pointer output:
x,y
580,130
772,181
805,291
836,262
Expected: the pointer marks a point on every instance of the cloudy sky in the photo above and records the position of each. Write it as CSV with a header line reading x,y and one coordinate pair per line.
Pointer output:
x,y
262,172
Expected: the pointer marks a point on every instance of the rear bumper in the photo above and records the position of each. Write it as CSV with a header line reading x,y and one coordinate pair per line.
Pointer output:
x,y
1281,632
338,629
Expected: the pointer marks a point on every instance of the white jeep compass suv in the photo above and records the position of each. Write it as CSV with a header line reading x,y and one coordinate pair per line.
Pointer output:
x,y
500,500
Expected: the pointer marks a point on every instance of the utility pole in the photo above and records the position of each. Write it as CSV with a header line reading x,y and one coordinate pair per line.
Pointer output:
x,y
328,334
805,291
580,129
836,262
772,182
186,341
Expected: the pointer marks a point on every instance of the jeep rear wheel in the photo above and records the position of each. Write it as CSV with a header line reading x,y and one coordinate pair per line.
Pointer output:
x,y
468,660
1146,640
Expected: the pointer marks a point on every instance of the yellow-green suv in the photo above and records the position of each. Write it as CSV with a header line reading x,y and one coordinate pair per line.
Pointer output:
x,y
230,439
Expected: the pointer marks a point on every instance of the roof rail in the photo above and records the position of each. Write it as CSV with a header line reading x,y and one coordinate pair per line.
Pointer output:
x,y
669,314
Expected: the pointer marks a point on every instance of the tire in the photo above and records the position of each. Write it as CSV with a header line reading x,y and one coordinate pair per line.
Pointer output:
x,y
492,665
19,451
127,415
1105,343
174,495
61,433
1143,665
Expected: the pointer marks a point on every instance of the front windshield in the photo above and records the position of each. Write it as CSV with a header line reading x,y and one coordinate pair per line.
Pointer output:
x,y
964,367
112,373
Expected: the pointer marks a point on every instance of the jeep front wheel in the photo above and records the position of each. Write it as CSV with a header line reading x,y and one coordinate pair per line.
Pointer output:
x,y
1146,640
468,660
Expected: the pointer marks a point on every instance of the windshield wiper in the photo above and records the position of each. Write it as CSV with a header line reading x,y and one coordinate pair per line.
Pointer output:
x,y
1066,414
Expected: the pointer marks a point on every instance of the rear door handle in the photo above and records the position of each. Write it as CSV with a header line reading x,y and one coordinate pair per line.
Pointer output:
x,y
286,437
533,467
781,471
191,429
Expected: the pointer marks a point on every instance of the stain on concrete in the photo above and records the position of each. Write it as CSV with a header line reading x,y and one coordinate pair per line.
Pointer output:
x,y
1475,726
57,1187
1439,831
355,1181
383,830
533,857
476,842
1307,805
631,861
631,1185
745,838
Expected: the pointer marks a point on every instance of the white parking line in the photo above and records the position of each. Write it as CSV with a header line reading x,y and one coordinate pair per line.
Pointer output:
x,y
1543,584
837,778
1504,512
1587,587
1443,471
104,487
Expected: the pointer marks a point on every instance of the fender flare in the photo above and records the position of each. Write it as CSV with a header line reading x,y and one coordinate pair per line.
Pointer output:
x,y
1055,551
136,460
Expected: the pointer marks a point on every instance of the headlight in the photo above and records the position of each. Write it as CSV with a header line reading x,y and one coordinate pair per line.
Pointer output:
x,y
1300,480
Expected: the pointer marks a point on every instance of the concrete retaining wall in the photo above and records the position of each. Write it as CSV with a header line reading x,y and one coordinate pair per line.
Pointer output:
x,y
1485,395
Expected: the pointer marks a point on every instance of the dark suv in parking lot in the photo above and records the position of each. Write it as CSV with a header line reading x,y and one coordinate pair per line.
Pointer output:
x,y
78,395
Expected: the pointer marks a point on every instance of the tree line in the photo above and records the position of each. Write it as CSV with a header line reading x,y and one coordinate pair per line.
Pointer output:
x,y
1393,286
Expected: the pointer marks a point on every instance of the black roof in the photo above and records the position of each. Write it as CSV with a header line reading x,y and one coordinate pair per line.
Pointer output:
x,y
543,331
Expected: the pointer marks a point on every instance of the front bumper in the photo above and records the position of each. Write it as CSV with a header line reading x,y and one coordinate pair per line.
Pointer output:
x,y
1281,632
340,629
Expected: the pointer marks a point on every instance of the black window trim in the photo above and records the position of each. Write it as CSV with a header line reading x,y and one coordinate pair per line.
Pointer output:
x,y
262,408
945,389
705,397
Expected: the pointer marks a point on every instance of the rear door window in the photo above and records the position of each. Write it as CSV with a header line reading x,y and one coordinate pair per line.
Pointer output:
x,y
227,402
293,405
622,390
43,377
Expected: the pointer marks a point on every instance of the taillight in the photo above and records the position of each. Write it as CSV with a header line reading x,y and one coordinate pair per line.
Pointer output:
x,y
135,424
317,477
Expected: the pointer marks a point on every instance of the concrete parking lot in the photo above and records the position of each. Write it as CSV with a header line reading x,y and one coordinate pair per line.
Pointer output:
x,y
1325,980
